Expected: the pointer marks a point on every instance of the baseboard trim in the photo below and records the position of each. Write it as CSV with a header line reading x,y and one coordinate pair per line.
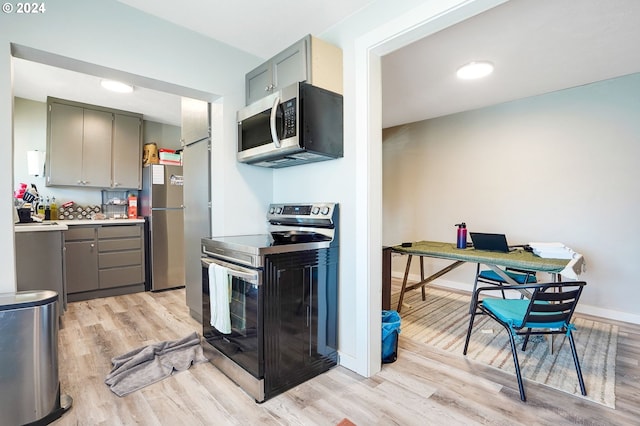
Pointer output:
x,y
595,311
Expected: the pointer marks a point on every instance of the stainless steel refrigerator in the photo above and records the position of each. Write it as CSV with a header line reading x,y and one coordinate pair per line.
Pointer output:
x,y
196,142
161,204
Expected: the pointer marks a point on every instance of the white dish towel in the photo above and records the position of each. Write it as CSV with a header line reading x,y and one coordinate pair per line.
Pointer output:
x,y
219,298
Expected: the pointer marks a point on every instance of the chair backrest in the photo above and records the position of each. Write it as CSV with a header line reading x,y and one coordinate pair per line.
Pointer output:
x,y
552,305
521,271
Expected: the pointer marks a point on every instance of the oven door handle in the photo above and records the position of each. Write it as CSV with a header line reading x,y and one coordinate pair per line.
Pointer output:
x,y
272,122
226,258
252,276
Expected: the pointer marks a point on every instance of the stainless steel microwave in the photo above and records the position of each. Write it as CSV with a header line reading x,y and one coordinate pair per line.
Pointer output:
x,y
298,124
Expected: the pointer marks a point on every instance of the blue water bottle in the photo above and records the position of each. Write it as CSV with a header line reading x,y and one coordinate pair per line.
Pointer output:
x,y
462,235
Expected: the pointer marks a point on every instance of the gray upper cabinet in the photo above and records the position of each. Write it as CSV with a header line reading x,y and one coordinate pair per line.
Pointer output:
x,y
310,59
259,82
96,148
92,146
64,163
127,151
79,142
290,65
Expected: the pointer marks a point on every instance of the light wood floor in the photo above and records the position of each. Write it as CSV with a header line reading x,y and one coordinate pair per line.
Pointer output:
x,y
423,387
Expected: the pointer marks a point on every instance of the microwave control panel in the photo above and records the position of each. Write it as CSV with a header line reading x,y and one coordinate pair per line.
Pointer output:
x,y
289,118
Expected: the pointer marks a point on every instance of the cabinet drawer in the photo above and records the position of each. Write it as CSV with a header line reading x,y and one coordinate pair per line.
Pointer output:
x,y
120,244
127,258
79,233
118,231
118,277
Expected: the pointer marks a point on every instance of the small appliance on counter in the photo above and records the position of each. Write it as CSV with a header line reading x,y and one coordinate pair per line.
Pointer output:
x,y
25,203
24,215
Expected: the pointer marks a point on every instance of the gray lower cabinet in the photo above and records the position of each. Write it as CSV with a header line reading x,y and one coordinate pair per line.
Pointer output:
x,y
39,263
120,256
81,259
104,260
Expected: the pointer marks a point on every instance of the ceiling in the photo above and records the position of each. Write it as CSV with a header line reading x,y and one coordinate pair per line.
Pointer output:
x,y
537,46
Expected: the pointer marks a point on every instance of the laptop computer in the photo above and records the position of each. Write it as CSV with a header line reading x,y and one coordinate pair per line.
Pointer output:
x,y
490,242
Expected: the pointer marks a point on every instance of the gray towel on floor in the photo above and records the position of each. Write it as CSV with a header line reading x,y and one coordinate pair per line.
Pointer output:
x,y
149,364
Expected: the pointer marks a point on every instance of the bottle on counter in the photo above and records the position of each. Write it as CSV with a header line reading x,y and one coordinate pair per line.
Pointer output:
x,y
133,207
40,207
54,209
47,210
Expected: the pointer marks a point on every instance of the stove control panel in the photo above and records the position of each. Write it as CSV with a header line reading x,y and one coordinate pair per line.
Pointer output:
x,y
314,213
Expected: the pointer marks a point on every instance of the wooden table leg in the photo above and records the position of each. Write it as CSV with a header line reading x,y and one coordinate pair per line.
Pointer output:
x,y
424,296
424,281
404,283
386,278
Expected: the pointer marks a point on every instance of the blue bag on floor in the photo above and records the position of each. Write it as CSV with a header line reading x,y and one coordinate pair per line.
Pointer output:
x,y
390,330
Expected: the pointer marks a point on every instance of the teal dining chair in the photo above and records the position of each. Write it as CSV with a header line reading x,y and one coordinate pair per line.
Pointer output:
x,y
548,311
488,276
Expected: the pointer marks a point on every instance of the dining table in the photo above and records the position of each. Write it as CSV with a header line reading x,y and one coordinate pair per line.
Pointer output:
x,y
518,258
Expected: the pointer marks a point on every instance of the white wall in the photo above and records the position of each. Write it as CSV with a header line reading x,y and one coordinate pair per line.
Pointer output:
x,y
557,167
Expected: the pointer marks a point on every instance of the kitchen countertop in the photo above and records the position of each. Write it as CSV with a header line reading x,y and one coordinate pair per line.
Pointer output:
x,y
63,225
99,222
40,227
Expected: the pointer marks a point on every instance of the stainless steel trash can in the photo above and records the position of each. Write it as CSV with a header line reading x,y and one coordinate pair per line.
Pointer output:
x,y
29,384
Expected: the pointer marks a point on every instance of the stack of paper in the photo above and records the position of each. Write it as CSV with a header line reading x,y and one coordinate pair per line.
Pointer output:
x,y
552,250
560,251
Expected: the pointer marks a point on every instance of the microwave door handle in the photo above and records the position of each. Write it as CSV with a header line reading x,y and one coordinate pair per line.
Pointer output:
x,y
272,122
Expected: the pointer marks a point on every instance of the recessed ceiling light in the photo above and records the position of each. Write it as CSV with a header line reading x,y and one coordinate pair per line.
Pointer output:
x,y
116,86
475,70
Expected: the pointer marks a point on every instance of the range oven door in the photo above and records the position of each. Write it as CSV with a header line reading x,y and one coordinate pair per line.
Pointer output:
x,y
244,345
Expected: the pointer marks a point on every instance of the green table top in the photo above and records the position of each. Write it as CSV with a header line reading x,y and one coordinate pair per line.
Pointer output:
x,y
520,259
